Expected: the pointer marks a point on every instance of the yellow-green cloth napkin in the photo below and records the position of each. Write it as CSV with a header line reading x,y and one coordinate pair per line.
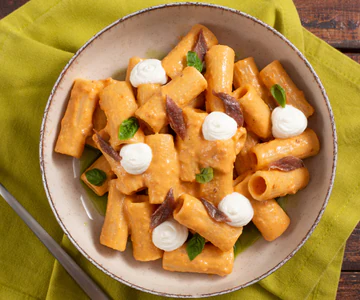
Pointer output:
x,y
37,41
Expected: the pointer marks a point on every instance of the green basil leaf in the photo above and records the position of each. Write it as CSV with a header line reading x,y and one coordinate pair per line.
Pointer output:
x,y
195,245
96,177
128,128
194,61
206,175
279,94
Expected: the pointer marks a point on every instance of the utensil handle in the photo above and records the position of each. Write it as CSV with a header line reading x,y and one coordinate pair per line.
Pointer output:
x,y
83,280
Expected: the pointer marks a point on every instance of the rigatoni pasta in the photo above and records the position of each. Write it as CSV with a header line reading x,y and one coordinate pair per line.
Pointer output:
x,y
99,122
118,103
210,261
244,160
302,146
220,186
114,233
219,75
269,217
77,124
257,114
139,215
133,61
246,72
183,89
126,183
100,164
146,91
163,173
265,185
274,73
173,136
221,235
175,61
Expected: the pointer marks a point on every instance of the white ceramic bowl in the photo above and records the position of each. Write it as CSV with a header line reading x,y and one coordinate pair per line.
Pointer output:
x,y
153,32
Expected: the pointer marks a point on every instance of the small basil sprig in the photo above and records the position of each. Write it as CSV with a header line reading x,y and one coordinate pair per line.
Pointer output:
x,y
194,61
95,176
128,128
279,94
206,175
195,246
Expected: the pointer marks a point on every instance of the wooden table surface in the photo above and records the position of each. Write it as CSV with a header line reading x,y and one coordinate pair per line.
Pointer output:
x,y
338,23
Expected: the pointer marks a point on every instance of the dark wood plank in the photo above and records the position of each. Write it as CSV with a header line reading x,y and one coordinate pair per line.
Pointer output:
x,y
8,6
335,21
349,286
351,260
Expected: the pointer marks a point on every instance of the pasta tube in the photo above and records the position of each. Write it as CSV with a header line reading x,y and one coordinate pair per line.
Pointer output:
x,y
163,172
145,91
133,61
246,72
257,114
182,90
274,73
269,217
126,183
175,61
99,122
216,189
219,75
221,235
239,139
191,188
76,124
159,178
114,233
139,215
118,103
198,102
301,146
188,148
210,261
244,161
101,164
265,185
195,152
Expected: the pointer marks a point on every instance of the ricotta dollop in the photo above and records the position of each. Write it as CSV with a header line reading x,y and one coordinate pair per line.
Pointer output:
x,y
218,126
238,209
287,122
148,71
169,235
136,158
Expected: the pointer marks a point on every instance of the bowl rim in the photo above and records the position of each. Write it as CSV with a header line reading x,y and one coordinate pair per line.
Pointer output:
x,y
163,6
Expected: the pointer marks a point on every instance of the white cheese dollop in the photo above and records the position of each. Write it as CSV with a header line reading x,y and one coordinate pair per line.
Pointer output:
x,y
287,122
135,158
218,126
238,208
169,235
148,71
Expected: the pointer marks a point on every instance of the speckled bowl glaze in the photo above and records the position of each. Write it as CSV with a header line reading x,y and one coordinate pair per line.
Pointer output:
x,y
152,33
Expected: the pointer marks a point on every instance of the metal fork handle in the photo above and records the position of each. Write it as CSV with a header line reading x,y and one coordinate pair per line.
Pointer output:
x,y
83,280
